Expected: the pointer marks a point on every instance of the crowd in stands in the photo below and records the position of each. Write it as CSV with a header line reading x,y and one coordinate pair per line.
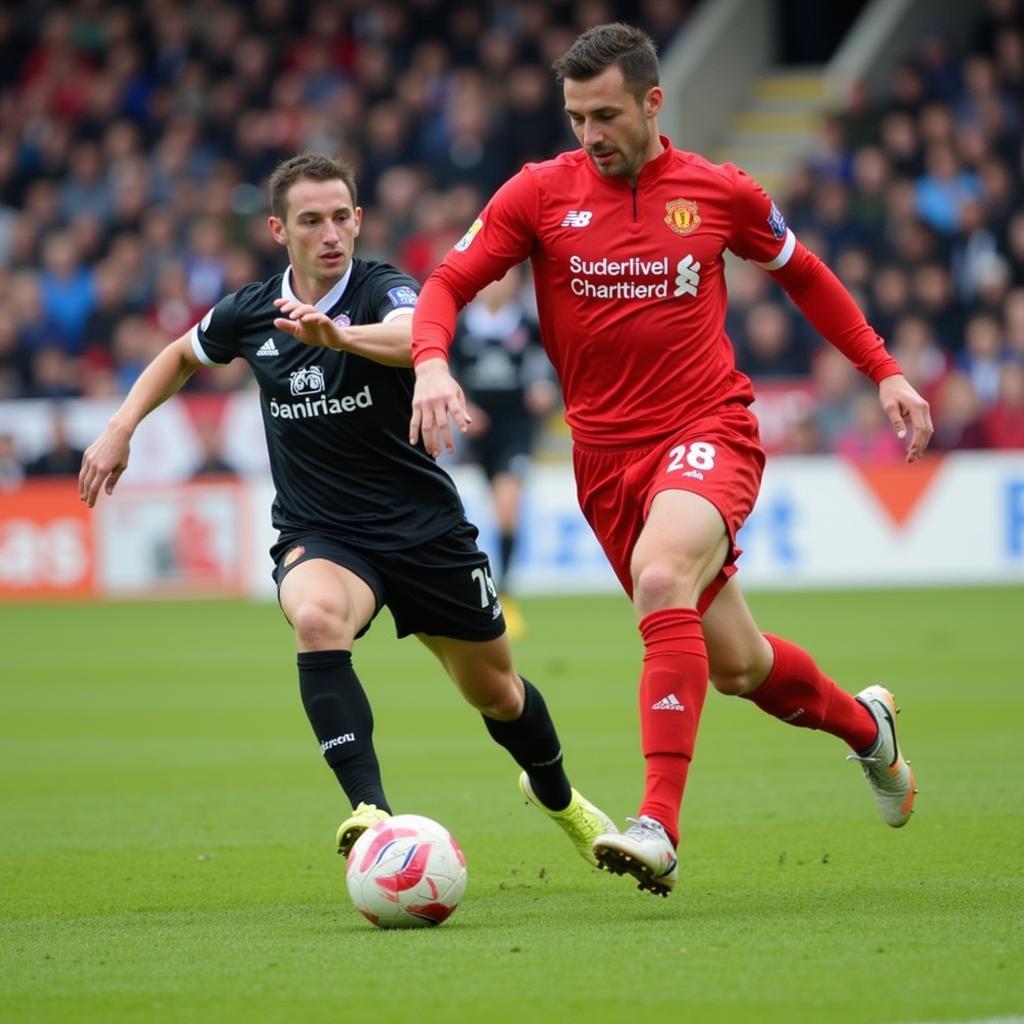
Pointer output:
x,y
914,198
136,139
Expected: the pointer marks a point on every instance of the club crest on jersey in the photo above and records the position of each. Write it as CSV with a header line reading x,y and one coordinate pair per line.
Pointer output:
x,y
467,239
681,216
343,320
307,381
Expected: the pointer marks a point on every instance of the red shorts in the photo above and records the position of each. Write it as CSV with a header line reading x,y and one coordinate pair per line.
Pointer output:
x,y
718,456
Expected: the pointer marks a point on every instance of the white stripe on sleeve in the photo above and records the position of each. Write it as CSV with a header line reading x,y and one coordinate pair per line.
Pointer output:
x,y
197,348
784,253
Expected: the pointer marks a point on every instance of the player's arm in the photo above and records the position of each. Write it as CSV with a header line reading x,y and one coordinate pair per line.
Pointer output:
x,y
107,457
501,237
389,342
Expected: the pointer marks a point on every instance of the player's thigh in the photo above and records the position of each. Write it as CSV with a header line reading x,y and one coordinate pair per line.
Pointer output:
x,y
681,548
739,657
323,599
483,672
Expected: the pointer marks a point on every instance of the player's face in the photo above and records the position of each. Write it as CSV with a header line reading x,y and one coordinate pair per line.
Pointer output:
x,y
319,229
618,131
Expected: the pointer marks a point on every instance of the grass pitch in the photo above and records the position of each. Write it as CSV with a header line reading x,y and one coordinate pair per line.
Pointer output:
x,y
167,827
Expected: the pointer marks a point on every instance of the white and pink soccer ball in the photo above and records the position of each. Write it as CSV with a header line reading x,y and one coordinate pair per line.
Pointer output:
x,y
406,872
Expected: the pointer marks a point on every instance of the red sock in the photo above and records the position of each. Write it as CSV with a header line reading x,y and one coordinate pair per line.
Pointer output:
x,y
798,692
672,690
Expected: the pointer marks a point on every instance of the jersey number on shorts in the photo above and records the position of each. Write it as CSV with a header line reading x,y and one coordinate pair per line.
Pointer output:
x,y
488,591
699,455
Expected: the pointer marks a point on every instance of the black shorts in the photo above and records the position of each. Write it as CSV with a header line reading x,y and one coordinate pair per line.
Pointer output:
x,y
441,588
506,447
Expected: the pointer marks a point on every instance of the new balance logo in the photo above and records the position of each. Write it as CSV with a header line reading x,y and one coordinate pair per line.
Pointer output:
x,y
268,348
669,703
577,219
687,276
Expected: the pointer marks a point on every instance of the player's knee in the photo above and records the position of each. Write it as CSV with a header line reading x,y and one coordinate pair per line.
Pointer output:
x,y
740,673
319,627
656,586
734,681
503,703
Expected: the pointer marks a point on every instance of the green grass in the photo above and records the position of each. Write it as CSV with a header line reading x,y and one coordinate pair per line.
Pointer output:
x,y
166,826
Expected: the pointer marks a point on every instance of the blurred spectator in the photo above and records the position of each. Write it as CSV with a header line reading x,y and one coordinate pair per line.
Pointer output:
x,y
836,385
935,299
924,362
803,437
68,292
869,437
770,349
61,458
12,472
957,415
941,192
982,358
15,364
211,445
1004,421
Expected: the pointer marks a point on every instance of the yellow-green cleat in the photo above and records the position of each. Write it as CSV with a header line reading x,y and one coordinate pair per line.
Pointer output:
x,y
581,821
363,817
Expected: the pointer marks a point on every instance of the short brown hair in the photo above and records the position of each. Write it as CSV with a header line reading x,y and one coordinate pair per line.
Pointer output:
x,y
307,167
602,46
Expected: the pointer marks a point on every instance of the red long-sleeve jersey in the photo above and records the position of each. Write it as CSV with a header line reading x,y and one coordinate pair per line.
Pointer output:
x,y
631,287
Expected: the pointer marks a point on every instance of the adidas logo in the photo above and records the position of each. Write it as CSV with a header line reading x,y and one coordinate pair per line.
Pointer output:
x,y
669,703
268,348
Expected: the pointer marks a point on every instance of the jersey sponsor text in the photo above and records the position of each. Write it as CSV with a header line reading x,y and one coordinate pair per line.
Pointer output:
x,y
687,277
311,408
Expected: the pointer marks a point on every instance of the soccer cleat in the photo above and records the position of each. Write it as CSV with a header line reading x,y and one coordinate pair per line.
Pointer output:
x,y
885,769
581,821
644,851
363,817
515,624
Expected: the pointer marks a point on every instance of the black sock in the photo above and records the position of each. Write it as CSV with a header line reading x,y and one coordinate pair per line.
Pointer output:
x,y
506,545
532,741
339,711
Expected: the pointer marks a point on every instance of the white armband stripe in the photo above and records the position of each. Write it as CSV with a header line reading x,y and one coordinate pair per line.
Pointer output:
x,y
400,311
784,253
197,348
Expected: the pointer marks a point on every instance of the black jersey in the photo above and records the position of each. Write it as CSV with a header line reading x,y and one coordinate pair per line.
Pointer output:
x,y
337,424
497,356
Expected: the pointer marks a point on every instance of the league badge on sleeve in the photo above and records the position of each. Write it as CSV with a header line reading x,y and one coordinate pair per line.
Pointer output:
x,y
402,296
467,239
777,222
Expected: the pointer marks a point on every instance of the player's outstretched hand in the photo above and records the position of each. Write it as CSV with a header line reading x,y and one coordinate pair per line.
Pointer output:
x,y
308,324
103,463
436,397
901,402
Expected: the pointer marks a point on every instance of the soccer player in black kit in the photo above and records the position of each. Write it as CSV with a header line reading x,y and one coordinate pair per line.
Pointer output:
x,y
364,517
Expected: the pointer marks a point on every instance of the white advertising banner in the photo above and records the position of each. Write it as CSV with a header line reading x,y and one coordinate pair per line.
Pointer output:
x,y
819,521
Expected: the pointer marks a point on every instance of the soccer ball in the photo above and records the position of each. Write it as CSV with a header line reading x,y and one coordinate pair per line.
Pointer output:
x,y
406,872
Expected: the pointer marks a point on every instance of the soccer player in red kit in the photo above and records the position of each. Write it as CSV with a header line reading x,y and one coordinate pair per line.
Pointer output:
x,y
626,236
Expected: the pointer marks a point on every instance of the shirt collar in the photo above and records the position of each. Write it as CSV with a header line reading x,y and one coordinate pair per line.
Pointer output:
x,y
329,300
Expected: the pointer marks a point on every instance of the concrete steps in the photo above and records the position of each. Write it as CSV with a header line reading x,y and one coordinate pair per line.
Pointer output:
x,y
777,126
